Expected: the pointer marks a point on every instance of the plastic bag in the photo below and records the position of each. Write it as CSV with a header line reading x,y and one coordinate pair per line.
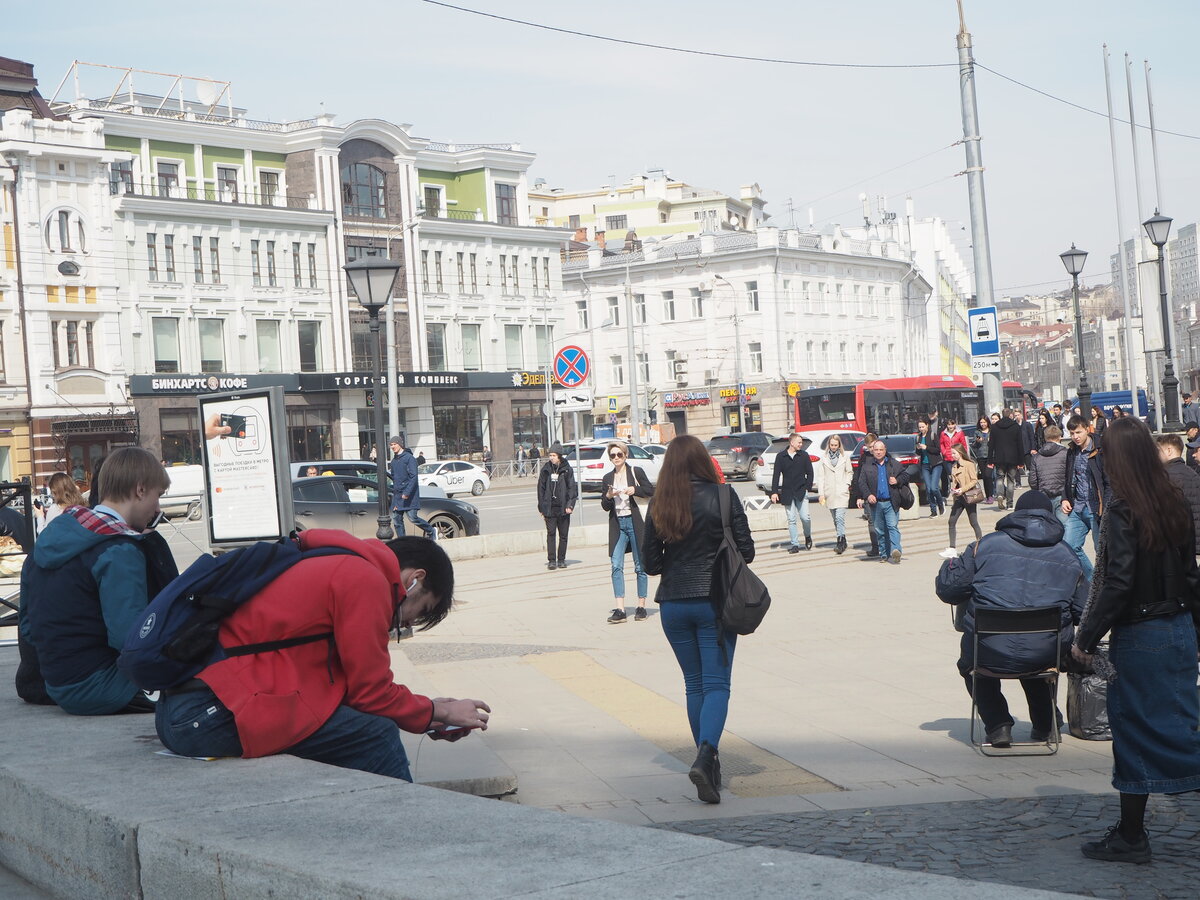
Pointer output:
x,y
1087,707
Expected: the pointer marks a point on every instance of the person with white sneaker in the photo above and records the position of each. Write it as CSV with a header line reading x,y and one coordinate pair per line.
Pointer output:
x,y
618,488
963,480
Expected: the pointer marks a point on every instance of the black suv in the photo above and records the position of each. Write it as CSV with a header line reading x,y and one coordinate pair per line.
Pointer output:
x,y
738,453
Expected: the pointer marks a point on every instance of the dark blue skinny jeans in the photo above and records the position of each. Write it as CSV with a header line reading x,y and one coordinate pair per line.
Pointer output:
x,y
691,628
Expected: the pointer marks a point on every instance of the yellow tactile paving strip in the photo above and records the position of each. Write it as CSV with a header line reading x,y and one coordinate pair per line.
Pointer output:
x,y
747,770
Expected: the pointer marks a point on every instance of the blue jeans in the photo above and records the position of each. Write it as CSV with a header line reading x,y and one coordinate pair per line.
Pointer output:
x,y
798,507
398,521
692,630
839,520
196,723
933,486
887,525
627,538
1078,524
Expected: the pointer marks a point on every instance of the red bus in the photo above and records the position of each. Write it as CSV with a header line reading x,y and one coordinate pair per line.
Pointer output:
x,y
894,405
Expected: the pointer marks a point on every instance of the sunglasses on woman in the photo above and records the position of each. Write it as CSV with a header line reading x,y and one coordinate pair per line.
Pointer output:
x,y
616,456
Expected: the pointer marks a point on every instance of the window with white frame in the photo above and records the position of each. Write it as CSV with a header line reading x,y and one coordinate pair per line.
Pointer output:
x,y
639,309
752,296
791,356
212,345
614,310
516,275
875,357
697,303
168,178
165,334
756,358
120,177
268,188
312,265
503,274
838,299
198,259
544,338
227,183
425,271
616,370
270,353
271,263
643,364
435,342
843,357
471,347
214,259
616,223
308,335
433,199
297,265
581,313
437,271
668,299
819,303
255,264
169,255
546,272
825,360
506,204
514,351
462,274
533,267
474,276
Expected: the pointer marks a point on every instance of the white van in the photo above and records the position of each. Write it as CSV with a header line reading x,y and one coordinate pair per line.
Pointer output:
x,y
185,496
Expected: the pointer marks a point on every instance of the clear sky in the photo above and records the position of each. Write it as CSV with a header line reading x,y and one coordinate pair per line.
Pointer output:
x,y
819,136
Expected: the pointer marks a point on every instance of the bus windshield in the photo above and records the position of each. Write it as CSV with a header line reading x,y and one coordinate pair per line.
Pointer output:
x,y
834,406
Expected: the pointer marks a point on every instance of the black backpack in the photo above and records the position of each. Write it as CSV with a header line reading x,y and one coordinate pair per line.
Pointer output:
x,y
738,593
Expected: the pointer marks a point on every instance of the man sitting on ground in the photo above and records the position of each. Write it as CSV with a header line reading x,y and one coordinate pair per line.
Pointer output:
x,y
331,701
1022,564
90,576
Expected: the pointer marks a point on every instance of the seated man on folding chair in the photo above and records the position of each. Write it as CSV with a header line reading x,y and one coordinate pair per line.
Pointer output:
x,y
1023,564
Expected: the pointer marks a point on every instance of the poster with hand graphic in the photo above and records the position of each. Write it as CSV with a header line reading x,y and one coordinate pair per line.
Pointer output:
x,y
245,463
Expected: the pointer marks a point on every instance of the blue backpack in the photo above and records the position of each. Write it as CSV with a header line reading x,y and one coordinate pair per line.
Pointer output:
x,y
177,636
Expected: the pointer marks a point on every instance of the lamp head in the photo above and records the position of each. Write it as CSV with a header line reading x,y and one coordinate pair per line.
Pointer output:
x,y
1073,260
1158,227
372,278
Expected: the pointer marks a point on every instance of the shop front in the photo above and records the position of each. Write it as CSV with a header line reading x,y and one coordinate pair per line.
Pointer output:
x,y
689,411
741,416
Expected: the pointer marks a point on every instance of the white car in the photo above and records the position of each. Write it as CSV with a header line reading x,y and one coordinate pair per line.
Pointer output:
x,y
594,463
454,477
812,441
656,449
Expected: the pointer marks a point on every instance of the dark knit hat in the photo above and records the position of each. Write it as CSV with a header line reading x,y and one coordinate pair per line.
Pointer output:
x,y
395,439
1034,500
556,448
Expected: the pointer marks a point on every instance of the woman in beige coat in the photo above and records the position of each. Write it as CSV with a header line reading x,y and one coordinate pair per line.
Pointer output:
x,y
963,477
833,474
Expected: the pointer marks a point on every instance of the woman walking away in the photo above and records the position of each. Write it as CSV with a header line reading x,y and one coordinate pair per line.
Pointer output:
x,y
557,496
963,477
981,446
864,453
1143,592
683,531
618,488
834,473
929,453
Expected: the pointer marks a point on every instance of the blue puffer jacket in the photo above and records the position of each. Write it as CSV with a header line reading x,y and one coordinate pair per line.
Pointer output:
x,y
86,583
1022,564
404,482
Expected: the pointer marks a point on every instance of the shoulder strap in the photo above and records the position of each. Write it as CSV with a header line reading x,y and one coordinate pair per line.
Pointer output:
x,y
726,512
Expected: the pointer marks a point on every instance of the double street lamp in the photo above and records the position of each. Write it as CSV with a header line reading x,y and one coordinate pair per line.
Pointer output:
x,y
372,279
1158,227
1073,260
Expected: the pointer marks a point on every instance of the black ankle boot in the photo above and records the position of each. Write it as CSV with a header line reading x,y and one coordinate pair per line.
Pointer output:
x,y
704,774
841,546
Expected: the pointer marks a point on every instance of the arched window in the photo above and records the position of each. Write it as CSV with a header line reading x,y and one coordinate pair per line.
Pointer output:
x,y
65,232
362,191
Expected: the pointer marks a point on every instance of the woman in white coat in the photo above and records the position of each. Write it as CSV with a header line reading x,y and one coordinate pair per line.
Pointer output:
x,y
834,472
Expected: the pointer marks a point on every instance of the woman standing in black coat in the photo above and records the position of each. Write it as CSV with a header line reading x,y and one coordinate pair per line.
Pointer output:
x,y
618,490
557,496
1144,591
683,530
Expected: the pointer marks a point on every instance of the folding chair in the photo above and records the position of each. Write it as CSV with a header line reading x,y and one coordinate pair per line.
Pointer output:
x,y
1035,620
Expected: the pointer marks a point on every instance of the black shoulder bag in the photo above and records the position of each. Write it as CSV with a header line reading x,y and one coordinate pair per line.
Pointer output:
x,y
739,594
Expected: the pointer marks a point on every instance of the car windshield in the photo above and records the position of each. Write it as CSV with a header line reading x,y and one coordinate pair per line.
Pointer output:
x,y
902,444
585,453
428,468
729,441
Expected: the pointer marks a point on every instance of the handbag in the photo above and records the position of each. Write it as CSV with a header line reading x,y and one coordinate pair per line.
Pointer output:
x,y
740,595
974,494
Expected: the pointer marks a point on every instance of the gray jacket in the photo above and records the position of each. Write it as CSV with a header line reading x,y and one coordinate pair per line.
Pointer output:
x,y
1048,473
1189,483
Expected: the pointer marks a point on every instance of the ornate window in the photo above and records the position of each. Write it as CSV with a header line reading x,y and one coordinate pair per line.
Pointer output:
x,y
363,191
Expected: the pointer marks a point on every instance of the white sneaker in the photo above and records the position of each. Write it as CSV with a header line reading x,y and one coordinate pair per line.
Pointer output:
x,y
949,553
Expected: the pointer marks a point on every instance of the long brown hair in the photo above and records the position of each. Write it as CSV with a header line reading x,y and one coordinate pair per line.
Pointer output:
x,y
1138,477
64,490
686,458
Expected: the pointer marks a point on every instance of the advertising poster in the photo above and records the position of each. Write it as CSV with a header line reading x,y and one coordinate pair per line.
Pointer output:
x,y
244,456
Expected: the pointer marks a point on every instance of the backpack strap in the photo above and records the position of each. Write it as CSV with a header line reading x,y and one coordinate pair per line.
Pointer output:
x,y
268,646
726,513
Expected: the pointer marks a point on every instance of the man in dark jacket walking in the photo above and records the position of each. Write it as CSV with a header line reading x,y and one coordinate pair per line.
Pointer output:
x,y
1008,453
791,481
557,495
1028,442
1170,448
880,480
1048,472
1022,564
406,492
1086,492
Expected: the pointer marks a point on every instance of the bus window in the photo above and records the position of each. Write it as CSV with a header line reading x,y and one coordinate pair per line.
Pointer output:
x,y
834,407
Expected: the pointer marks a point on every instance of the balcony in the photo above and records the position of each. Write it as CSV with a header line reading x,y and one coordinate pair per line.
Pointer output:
x,y
211,194
455,215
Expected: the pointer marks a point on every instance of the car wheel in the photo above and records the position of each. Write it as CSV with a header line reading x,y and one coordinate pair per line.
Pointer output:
x,y
194,511
752,470
447,527
477,488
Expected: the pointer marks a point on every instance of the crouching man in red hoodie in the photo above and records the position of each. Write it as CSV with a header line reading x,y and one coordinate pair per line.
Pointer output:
x,y
333,701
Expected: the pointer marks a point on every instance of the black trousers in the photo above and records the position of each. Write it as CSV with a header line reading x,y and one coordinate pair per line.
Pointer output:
x,y
557,526
993,708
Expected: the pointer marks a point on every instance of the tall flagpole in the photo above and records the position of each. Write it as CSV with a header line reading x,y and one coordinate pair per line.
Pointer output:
x,y
1130,369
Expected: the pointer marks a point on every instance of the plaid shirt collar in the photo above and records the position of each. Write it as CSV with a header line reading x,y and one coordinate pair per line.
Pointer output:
x,y
99,522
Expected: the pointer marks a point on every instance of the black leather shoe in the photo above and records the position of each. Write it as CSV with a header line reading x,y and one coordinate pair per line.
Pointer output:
x,y
1000,736
562,563
704,774
808,543
1115,848
552,565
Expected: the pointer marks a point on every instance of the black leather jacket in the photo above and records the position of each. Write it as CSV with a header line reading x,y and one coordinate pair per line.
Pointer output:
x,y
1137,584
686,567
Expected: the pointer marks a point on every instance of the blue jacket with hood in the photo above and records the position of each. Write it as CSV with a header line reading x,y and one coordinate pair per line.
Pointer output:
x,y
1022,564
89,579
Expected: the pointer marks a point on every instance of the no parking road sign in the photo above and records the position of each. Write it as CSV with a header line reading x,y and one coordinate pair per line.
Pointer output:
x,y
571,366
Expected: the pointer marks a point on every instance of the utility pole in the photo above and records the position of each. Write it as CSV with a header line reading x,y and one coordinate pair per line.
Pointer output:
x,y
635,418
993,393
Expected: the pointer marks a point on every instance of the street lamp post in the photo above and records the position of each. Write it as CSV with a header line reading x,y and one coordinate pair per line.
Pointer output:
x,y
1073,260
1158,227
373,278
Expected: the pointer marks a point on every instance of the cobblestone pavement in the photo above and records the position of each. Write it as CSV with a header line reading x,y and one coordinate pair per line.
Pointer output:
x,y
1024,843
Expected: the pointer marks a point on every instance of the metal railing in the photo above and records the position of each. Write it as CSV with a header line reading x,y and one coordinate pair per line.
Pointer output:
x,y
210,194
455,215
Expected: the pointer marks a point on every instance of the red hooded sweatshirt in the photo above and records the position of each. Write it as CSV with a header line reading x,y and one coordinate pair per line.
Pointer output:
x,y
281,697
